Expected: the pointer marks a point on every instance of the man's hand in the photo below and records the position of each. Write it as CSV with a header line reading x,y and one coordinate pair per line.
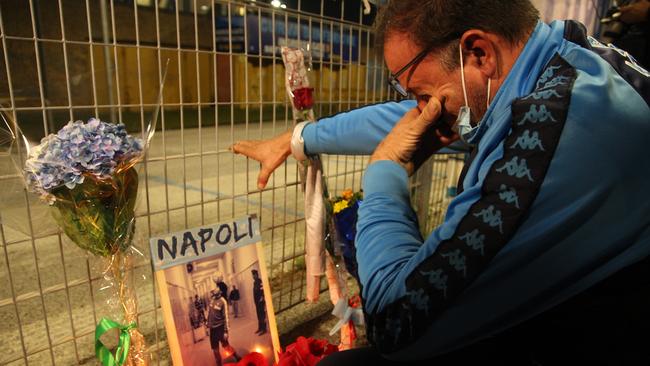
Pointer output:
x,y
635,13
270,153
414,138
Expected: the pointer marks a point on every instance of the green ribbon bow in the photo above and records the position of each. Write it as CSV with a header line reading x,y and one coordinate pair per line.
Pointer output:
x,y
122,351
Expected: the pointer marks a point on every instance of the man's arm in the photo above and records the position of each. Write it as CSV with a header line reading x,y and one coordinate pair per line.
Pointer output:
x,y
354,132
359,131
388,241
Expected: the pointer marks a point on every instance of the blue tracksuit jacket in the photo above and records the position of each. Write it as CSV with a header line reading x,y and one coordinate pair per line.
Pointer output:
x,y
553,200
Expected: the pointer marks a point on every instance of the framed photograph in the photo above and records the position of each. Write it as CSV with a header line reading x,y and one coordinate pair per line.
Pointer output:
x,y
214,294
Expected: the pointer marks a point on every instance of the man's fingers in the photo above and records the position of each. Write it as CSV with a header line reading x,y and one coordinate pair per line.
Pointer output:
x,y
247,148
240,147
263,177
411,115
250,148
419,121
431,111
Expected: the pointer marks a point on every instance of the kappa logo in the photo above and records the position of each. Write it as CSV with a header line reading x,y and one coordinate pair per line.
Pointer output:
x,y
595,43
548,73
543,94
516,168
474,240
419,299
492,217
457,260
438,279
535,115
528,141
630,61
557,81
509,195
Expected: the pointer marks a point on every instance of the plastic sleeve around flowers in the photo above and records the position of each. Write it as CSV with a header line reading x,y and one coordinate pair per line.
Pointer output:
x,y
87,173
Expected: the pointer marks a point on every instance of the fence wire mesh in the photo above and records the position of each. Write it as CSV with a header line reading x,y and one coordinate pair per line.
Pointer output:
x,y
68,60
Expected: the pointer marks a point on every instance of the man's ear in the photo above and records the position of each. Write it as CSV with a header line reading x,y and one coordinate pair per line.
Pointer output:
x,y
480,52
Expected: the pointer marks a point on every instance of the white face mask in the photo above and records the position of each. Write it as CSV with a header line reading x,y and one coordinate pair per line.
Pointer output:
x,y
463,127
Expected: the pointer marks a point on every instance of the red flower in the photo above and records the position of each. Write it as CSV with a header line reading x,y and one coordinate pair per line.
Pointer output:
x,y
303,98
251,359
306,352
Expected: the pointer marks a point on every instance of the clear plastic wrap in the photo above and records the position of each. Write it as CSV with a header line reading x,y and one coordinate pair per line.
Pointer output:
x,y
297,83
87,173
22,214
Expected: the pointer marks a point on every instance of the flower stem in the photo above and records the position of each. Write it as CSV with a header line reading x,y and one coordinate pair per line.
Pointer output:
x,y
120,266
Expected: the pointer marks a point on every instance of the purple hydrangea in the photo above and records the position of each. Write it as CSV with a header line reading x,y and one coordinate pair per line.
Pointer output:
x,y
79,148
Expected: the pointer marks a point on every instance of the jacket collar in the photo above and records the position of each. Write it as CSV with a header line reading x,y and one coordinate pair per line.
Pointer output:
x,y
544,42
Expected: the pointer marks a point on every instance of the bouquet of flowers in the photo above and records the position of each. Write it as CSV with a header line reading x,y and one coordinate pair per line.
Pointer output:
x,y
342,211
86,173
297,84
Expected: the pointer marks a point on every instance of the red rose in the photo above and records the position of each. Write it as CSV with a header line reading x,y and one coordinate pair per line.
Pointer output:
x,y
306,352
303,98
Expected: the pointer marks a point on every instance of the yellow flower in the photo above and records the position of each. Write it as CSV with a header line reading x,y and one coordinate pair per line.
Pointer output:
x,y
347,194
340,206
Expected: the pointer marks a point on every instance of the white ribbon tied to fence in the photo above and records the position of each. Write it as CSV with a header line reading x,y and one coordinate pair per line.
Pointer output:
x,y
346,313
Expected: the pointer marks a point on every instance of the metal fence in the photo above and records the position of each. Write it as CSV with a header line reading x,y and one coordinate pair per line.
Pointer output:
x,y
72,59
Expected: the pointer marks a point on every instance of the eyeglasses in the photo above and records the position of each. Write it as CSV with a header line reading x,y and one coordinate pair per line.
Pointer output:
x,y
392,79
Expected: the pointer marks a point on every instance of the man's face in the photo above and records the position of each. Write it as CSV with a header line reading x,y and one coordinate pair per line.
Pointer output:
x,y
430,78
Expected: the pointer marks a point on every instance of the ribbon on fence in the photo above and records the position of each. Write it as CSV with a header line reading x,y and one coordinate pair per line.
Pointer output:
x,y
347,312
104,354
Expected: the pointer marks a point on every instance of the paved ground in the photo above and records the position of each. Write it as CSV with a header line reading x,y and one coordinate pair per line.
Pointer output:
x,y
174,192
